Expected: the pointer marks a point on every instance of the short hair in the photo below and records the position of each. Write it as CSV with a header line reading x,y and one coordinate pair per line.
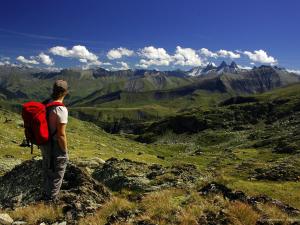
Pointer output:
x,y
60,88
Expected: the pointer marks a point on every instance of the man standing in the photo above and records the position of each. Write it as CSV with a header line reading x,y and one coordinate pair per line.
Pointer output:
x,y
55,153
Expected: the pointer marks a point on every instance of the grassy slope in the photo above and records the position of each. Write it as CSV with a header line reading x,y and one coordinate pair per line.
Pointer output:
x,y
85,140
231,153
227,155
132,106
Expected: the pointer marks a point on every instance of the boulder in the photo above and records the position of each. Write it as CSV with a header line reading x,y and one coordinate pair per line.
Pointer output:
x,y
80,194
231,195
5,219
286,170
19,223
127,174
91,163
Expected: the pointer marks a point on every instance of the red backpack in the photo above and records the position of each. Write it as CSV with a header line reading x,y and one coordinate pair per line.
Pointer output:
x,y
35,122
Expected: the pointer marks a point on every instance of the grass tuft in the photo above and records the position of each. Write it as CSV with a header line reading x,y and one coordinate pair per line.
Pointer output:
x,y
41,212
242,214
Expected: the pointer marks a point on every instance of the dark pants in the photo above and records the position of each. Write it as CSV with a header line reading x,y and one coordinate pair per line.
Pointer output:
x,y
54,166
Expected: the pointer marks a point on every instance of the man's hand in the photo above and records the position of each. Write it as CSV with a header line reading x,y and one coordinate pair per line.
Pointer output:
x,y
61,136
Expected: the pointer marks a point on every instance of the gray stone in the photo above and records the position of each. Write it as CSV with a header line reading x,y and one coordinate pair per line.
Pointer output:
x,y
61,223
5,219
19,223
118,174
22,186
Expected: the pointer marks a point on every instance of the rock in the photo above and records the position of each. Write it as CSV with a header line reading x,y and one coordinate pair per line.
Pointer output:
x,y
5,219
144,222
284,171
119,174
61,223
197,152
217,188
214,218
121,216
22,186
19,223
90,162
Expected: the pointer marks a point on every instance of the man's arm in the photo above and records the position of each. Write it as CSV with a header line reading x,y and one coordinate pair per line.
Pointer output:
x,y
61,136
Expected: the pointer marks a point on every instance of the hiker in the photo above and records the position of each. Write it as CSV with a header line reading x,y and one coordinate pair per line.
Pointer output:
x,y
55,153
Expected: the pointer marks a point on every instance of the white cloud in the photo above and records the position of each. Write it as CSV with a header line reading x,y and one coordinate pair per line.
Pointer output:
x,y
224,53
186,57
151,52
45,59
53,69
92,64
261,56
89,65
123,66
154,56
143,66
61,51
207,53
83,60
5,62
106,64
119,53
78,51
221,53
294,71
245,67
22,59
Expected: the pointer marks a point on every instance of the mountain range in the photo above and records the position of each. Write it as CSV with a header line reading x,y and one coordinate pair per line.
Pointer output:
x,y
94,86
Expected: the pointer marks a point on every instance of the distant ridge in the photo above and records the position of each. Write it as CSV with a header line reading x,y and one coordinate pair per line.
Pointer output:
x,y
16,82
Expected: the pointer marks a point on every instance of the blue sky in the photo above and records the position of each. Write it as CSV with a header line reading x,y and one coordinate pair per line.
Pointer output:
x,y
165,34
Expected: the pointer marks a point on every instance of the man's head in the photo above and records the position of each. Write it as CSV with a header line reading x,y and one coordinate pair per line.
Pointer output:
x,y
60,89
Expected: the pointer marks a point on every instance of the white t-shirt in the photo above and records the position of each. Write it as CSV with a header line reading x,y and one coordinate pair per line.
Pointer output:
x,y
57,114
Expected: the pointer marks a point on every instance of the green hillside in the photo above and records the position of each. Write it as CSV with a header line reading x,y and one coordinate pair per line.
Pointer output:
x,y
252,139
247,143
242,144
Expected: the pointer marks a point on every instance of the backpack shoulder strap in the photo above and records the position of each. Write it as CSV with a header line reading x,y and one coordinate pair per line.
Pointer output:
x,y
48,107
52,104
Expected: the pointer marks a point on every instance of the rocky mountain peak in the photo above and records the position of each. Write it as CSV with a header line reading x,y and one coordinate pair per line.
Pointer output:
x,y
222,65
233,65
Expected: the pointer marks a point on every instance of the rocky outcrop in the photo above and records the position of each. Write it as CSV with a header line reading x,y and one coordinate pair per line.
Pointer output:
x,y
216,188
126,174
285,171
80,193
